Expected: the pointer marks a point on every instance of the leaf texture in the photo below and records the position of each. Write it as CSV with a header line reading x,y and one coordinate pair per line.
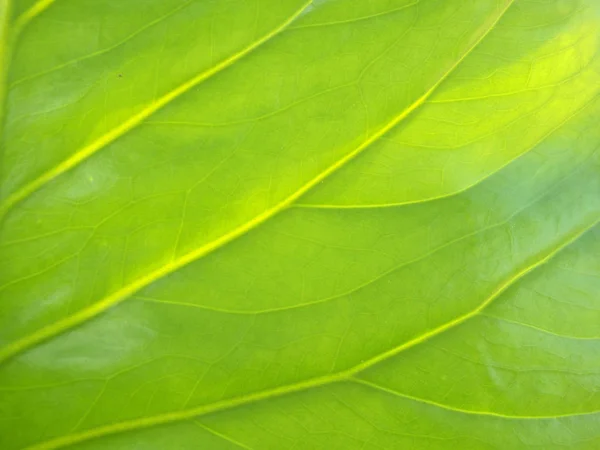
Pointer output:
x,y
281,224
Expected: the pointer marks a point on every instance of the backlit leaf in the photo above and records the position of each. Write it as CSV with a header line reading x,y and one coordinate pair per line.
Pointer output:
x,y
281,224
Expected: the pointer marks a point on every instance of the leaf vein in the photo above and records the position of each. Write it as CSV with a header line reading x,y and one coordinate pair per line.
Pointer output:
x,y
34,11
312,383
539,142
541,330
381,275
220,435
357,19
125,292
455,409
135,120
104,50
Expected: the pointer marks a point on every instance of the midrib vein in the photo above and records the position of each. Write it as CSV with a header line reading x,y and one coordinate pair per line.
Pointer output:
x,y
120,295
348,375
135,120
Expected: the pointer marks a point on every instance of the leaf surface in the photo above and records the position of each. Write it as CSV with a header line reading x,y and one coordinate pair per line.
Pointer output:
x,y
273,224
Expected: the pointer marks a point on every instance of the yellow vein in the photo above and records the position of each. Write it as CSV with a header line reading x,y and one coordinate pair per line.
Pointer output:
x,y
112,135
541,330
459,320
507,163
31,13
378,387
252,119
120,295
316,382
509,93
182,415
221,435
379,276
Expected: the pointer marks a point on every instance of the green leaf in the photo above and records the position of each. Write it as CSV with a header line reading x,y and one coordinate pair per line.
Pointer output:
x,y
272,224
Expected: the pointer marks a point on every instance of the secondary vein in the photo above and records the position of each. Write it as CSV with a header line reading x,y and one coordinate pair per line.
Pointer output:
x,y
316,382
105,50
131,123
126,291
32,12
384,389
540,141
385,273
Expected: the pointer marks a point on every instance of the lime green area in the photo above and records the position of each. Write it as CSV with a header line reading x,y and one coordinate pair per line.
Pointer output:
x,y
281,224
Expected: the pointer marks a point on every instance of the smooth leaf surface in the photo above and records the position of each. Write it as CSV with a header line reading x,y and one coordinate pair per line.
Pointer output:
x,y
273,224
